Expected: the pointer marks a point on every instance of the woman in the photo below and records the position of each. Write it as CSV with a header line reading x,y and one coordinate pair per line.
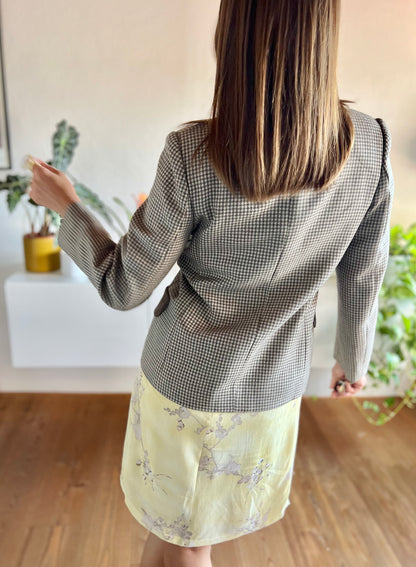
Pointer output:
x,y
259,206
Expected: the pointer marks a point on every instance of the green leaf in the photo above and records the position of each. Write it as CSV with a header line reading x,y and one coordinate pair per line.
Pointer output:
x,y
16,186
389,402
371,405
55,218
396,378
382,419
124,207
380,318
393,331
64,142
393,360
407,323
384,377
410,393
402,292
395,231
92,200
13,198
411,284
373,375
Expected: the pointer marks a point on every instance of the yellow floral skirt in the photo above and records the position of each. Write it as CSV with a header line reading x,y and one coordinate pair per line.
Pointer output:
x,y
198,478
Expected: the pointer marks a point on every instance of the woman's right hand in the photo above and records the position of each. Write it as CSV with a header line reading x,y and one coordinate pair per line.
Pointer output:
x,y
350,389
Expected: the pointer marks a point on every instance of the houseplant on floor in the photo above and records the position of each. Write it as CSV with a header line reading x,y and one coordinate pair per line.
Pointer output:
x,y
394,353
41,250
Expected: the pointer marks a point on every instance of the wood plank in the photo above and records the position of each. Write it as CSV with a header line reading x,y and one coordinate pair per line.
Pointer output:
x,y
353,501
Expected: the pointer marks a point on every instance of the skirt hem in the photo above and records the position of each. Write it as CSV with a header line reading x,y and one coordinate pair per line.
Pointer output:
x,y
194,542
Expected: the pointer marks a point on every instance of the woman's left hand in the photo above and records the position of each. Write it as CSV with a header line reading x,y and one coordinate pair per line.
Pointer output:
x,y
51,188
350,389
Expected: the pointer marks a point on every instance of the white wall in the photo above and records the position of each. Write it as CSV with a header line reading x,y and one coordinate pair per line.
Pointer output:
x,y
126,73
123,73
377,69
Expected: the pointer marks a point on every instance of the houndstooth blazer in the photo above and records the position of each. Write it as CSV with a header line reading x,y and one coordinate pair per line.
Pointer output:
x,y
234,329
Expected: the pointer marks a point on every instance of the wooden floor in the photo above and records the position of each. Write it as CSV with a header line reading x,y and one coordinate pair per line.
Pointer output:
x,y
353,499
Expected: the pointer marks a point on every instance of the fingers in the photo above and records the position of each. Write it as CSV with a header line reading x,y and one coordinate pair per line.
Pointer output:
x,y
337,374
350,390
28,162
32,163
41,167
33,195
50,168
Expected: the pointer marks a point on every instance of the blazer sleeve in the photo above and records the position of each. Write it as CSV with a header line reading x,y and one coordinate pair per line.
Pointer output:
x,y
126,273
360,274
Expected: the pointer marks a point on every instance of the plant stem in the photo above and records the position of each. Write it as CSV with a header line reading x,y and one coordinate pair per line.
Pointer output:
x,y
31,224
120,222
393,414
37,215
119,202
109,209
44,230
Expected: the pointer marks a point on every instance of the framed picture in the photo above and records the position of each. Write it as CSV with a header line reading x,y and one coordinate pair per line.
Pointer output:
x,y
5,161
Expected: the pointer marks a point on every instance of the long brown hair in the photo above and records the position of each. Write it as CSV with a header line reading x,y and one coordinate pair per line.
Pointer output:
x,y
278,126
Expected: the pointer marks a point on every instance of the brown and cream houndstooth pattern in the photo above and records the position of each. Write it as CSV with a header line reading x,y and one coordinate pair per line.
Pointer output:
x,y
234,330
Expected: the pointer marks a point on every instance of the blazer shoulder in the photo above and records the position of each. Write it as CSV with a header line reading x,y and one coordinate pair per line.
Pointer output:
x,y
187,138
364,122
180,143
372,138
190,135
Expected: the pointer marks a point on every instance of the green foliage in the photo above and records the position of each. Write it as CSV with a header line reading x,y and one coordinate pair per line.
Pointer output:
x,y
55,218
64,141
403,242
371,405
16,186
394,354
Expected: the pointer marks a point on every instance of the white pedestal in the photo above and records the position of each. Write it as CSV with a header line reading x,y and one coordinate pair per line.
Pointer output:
x,y
56,320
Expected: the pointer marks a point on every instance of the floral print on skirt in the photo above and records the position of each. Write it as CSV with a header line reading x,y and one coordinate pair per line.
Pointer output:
x,y
198,478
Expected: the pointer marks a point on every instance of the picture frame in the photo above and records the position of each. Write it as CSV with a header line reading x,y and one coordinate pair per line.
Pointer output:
x,y
5,157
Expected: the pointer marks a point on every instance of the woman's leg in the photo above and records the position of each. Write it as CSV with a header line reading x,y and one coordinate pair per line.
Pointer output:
x,y
153,552
177,556
160,553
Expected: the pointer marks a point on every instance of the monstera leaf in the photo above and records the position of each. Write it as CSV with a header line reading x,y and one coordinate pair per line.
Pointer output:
x,y
64,142
16,186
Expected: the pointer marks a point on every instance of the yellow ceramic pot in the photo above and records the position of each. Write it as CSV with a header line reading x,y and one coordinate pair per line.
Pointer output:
x,y
41,253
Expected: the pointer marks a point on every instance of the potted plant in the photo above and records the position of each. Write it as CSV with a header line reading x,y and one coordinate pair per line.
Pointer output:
x,y
394,353
41,250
